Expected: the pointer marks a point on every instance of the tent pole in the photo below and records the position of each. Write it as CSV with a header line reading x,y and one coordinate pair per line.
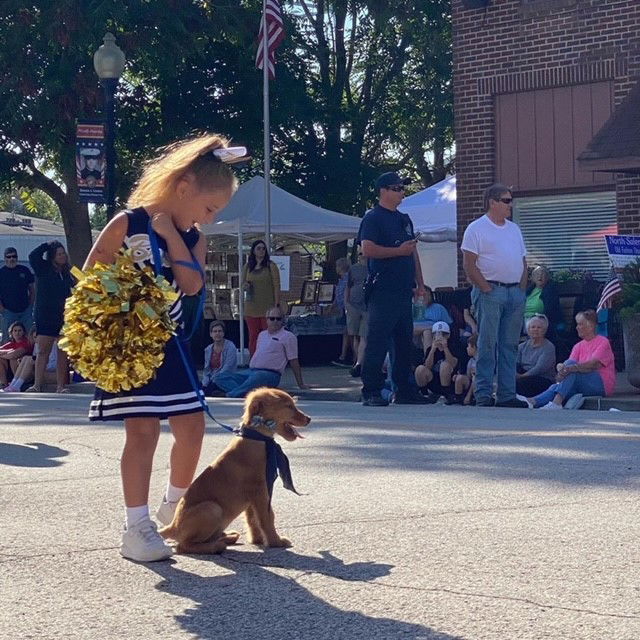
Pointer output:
x,y
240,295
267,126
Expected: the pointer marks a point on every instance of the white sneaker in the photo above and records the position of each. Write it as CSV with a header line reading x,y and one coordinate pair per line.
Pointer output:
x,y
552,405
524,399
165,512
143,543
574,402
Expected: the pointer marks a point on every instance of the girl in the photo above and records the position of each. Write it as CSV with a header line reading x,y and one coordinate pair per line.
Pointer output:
x,y
187,185
261,283
50,263
220,356
25,371
12,351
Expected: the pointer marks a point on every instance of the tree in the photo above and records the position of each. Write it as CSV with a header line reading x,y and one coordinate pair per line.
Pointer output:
x,y
362,86
30,203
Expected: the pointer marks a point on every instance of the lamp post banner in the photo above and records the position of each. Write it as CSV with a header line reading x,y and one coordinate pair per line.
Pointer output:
x,y
90,161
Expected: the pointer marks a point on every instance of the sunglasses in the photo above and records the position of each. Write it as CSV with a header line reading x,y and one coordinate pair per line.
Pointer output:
x,y
506,200
11,256
397,188
274,319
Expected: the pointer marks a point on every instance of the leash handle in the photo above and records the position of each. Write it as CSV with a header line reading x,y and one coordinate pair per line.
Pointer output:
x,y
181,340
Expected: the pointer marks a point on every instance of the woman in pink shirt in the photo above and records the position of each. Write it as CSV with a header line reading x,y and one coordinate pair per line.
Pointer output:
x,y
589,371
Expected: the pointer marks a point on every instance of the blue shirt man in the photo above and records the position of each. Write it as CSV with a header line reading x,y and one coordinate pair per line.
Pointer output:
x,y
16,292
389,245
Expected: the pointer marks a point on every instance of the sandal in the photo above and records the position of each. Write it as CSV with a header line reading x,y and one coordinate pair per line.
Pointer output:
x,y
62,390
33,389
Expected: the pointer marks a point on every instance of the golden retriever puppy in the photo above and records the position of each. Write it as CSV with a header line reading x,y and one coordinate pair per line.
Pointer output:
x,y
236,482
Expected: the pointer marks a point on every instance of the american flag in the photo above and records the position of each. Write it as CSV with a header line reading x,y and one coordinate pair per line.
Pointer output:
x,y
611,289
275,30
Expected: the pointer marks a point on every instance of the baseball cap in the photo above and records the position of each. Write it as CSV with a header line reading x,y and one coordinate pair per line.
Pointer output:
x,y
389,179
441,327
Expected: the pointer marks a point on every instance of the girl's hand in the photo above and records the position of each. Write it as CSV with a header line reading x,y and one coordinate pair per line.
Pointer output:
x,y
163,225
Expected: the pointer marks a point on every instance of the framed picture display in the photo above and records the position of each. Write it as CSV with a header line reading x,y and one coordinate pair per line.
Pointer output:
x,y
309,291
297,310
326,292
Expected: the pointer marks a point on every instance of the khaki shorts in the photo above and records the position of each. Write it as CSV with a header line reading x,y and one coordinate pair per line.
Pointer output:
x,y
356,322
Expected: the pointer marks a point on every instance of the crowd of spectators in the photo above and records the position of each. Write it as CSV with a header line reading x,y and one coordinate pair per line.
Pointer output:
x,y
498,348
32,308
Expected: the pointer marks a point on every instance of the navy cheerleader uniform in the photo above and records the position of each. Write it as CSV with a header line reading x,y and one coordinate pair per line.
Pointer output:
x,y
169,392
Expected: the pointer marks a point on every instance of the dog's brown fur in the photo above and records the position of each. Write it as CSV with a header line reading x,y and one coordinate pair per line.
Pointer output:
x,y
235,483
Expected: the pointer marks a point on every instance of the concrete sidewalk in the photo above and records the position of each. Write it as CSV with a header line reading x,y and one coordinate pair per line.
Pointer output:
x,y
444,523
336,384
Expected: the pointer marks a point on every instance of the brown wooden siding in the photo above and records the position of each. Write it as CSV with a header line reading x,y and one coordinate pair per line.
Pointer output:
x,y
539,135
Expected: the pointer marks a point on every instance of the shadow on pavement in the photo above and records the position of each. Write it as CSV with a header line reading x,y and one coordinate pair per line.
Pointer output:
x,y
257,602
31,454
569,458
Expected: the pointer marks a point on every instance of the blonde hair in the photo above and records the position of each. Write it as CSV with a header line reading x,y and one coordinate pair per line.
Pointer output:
x,y
191,156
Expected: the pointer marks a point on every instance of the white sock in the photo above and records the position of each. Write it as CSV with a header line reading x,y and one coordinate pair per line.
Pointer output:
x,y
16,384
173,494
135,514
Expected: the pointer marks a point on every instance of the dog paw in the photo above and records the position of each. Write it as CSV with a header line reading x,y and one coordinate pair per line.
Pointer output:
x,y
258,540
281,542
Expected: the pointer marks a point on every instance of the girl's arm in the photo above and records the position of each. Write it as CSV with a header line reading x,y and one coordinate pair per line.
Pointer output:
x,y
109,242
189,280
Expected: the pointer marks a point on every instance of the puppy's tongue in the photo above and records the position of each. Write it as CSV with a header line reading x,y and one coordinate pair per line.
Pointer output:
x,y
295,431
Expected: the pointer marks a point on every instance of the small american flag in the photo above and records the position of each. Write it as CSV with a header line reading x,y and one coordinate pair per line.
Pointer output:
x,y
275,30
611,289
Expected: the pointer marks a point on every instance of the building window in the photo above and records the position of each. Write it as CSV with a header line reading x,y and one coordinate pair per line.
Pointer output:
x,y
567,231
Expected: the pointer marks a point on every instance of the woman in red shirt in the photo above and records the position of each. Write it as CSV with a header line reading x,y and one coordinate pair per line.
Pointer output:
x,y
12,351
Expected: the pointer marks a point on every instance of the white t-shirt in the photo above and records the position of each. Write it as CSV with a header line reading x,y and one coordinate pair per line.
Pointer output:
x,y
500,249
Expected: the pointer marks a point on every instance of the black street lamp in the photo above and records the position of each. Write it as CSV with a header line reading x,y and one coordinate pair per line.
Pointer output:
x,y
108,61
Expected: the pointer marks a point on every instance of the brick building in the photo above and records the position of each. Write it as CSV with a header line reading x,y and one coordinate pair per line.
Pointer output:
x,y
542,89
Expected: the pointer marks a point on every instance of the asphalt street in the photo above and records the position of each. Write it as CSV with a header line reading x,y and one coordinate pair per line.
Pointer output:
x,y
416,522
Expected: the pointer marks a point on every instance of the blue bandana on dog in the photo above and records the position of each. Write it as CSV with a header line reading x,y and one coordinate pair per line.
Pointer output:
x,y
277,461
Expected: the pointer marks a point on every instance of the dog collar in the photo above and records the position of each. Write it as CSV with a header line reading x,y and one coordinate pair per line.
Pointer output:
x,y
277,463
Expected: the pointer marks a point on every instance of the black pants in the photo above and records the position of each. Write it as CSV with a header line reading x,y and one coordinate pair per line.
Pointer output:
x,y
389,318
530,386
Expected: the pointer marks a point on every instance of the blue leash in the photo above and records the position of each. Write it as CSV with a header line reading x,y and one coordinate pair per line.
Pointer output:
x,y
180,340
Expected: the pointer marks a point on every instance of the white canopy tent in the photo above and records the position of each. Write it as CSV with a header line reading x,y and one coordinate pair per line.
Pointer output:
x,y
433,213
292,219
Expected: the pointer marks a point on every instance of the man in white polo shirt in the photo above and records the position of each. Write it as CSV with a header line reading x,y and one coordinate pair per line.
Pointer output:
x,y
494,259
276,347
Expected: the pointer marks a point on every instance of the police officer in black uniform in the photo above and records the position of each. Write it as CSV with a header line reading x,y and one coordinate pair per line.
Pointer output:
x,y
388,242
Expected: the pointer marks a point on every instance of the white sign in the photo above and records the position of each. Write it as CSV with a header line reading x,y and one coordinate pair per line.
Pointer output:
x,y
284,264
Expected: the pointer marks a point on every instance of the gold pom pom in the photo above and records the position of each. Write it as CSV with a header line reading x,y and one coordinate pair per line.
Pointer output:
x,y
116,323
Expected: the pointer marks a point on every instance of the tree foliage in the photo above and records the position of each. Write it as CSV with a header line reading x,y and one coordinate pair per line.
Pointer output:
x,y
361,86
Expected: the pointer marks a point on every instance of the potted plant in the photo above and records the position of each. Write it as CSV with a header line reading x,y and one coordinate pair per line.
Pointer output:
x,y
629,311
572,282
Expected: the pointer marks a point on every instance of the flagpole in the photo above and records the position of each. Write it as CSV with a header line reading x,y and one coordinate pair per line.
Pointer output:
x,y
267,125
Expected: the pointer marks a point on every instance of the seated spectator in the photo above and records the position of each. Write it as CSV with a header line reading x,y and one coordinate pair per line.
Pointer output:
x,y
342,269
221,356
464,382
536,359
590,369
433,312
26,369
470,325
11,352
275,348
434,377
542,297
